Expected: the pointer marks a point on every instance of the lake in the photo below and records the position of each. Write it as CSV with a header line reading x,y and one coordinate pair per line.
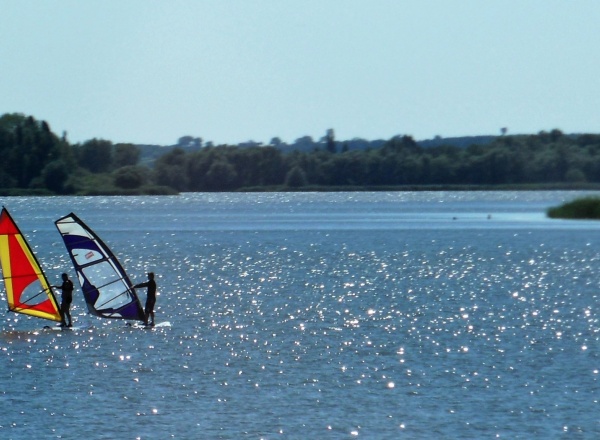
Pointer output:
x,y
318,315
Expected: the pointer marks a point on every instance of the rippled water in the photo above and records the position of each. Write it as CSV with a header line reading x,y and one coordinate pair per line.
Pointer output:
x,y
331,315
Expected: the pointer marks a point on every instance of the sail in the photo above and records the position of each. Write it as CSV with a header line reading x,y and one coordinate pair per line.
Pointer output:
x,y
107,290
27,289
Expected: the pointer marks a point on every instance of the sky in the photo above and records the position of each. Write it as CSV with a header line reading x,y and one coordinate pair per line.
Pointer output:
x,y
231,71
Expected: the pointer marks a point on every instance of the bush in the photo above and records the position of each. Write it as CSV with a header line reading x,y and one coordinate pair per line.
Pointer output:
x,y
130,177
584,208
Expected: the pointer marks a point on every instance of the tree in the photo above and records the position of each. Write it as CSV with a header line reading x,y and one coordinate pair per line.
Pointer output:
x,y
126,155
170,170
272,166
575,175
55,176
189,142
276,142
221,176
96,155
130,177
295,178
184,141
330,141
405,144
27,146
197,165
304,143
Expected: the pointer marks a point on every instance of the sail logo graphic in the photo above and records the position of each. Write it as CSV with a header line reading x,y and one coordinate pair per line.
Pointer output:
x,y
89,255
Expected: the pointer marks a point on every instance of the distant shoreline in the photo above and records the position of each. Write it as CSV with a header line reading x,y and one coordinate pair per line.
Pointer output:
x,y
413,188
158,191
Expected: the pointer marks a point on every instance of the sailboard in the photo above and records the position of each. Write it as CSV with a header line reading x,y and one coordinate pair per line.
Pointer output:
x,y
27,288
106,287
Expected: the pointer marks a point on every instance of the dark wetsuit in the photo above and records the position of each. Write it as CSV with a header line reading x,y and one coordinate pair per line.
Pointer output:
x,y
67,298
150,296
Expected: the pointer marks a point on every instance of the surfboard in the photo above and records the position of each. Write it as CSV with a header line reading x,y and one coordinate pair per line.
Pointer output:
x,y
162,324
58,328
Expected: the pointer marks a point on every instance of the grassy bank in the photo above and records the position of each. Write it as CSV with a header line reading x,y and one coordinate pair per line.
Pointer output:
x,y
584,208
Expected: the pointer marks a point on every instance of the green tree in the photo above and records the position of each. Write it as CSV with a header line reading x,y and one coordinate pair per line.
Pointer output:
x,y
96,155
126,155
295,178
272,165
221,176
304,143
170,170
55,176
330,141
130,177
27,146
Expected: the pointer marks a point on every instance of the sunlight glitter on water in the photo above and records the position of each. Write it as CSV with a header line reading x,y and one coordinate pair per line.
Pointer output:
x,y
330,332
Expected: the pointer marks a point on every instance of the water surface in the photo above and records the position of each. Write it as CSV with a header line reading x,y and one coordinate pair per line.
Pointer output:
x,y
328,315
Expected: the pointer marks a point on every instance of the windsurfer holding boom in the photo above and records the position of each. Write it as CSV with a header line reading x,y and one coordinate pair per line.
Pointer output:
x,y
150,297
66,299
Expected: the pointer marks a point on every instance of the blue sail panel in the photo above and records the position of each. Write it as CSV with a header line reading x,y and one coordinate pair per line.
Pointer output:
x,y
107,289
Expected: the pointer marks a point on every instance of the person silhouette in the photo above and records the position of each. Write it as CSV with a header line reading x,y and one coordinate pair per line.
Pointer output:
x,y
150,297
66,299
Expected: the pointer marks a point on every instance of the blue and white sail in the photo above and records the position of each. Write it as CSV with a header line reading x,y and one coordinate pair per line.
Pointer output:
x,y
107,289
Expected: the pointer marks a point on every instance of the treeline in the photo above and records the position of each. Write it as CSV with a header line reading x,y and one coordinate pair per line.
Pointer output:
x,y
548,158
38,161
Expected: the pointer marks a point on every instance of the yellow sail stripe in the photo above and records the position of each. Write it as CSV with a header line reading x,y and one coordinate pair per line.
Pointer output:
x,y
7,271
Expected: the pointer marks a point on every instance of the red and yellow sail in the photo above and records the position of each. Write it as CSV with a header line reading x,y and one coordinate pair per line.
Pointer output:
x,y
27,289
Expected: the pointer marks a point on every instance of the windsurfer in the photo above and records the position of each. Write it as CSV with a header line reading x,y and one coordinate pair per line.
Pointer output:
x,y
67,297
150,297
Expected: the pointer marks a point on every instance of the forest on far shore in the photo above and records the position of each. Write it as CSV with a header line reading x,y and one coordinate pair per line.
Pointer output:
x,y
37,161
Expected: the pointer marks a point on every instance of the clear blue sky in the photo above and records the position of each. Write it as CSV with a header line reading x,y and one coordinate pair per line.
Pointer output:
x,y
229,71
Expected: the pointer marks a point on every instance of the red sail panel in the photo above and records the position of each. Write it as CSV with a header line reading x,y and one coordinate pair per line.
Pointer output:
x,y
27,289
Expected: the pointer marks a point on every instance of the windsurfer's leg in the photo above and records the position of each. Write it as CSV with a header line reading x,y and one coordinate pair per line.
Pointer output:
x,y
63,323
